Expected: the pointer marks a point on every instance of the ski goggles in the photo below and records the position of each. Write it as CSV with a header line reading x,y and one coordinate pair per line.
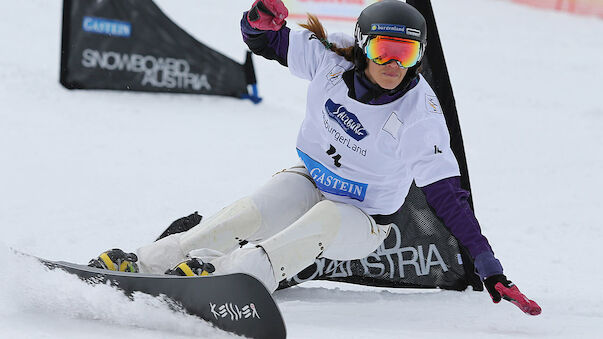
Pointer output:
x,y
383,49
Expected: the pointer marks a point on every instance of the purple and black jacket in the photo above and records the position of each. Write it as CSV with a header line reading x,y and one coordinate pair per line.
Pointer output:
x,y
446,196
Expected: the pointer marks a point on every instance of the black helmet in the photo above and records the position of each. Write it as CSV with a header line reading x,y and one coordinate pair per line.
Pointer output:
x,y
390,18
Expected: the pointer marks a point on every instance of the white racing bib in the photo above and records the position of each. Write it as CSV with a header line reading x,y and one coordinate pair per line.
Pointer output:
x,y
366,155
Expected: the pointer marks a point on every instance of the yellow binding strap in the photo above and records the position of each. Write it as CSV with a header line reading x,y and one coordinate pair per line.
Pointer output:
x,y
105,258
124,265
187,270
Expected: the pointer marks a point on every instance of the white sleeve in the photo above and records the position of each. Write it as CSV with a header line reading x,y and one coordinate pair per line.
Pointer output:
x,y
426,144
305,54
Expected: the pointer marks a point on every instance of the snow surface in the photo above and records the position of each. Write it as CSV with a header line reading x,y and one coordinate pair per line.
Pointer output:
x,y
84,171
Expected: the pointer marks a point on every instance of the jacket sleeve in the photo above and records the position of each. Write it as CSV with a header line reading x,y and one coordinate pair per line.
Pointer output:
x,y
272,45
426,146
450,203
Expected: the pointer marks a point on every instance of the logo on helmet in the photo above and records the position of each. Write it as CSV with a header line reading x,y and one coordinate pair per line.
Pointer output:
x,y
361,39
413,32
387,28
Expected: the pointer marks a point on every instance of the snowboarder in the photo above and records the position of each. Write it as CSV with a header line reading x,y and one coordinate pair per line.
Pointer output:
x,y
373,126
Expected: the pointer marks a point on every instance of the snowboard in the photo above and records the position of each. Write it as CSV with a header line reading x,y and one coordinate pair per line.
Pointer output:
x,y
236,303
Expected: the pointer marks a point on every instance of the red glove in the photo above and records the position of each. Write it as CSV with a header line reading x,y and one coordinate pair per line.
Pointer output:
x,y
500,288
267,15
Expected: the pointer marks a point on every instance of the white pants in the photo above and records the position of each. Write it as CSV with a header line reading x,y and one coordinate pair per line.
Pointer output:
x,y
287,223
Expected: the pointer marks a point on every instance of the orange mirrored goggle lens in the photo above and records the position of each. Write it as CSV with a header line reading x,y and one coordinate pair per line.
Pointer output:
x,y
383,49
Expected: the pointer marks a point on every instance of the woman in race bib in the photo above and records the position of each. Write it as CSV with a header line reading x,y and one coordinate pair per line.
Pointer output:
x,y
373,126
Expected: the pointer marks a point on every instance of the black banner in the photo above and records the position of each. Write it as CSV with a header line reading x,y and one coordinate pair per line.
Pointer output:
x,y
420,251
132,45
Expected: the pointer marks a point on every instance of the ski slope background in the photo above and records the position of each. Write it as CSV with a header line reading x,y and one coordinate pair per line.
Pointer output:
x,y
85,171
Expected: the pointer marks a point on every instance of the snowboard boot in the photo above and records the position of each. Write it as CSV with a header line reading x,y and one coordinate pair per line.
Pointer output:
x,y
192,267
116,260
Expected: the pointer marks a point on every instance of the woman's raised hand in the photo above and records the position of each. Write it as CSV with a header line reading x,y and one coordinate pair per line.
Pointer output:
x,y
267,15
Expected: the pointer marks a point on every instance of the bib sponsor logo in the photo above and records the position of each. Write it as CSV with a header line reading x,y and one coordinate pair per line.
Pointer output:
x,y
432,104
341,138
347,120
330,182
335,75
106,26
